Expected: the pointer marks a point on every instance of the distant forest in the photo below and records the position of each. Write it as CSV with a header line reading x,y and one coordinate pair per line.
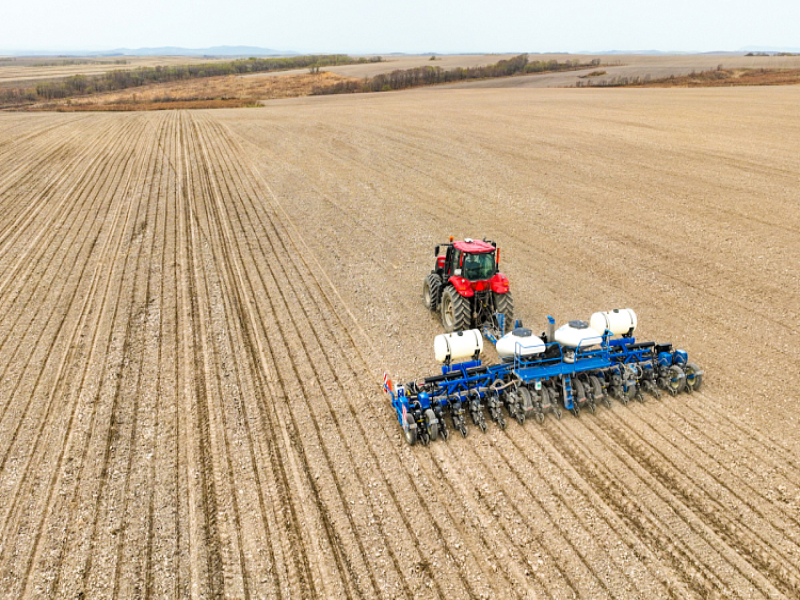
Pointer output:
x,y
428,75
81,85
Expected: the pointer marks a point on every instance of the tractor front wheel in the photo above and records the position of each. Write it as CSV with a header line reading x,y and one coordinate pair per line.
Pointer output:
x,y
455,311
432,291
504,303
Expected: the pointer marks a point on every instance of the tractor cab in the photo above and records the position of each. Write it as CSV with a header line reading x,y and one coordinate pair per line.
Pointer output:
x,y
473,260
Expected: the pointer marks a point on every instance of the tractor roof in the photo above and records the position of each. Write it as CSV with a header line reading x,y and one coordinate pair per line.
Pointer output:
x,y
474,246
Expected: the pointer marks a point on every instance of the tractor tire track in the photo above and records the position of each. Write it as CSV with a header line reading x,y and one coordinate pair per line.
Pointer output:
x,y
73,346
336,483
713,463
766,449
696,563
689,517
65,542
291,254
204,537
59,324
739,532
195,308
761,470
160,565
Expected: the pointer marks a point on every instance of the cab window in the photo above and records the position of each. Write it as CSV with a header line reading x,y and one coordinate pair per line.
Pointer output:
x,y
456,261
478,267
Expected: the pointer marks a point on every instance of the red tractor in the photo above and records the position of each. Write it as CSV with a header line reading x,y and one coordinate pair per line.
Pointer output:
x,y
467,287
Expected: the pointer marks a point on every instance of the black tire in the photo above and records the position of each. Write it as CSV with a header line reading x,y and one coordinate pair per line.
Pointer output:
x,y
432,291
504,303
455,311
411,430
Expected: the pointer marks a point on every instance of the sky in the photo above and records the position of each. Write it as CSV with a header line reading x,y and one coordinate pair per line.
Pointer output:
x,y
411,26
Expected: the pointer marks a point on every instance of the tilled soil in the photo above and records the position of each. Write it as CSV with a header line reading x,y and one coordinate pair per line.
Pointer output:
x,y
196,309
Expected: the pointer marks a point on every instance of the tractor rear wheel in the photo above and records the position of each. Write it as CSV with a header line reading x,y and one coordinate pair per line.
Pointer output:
x,y
432,291
455,310
504,303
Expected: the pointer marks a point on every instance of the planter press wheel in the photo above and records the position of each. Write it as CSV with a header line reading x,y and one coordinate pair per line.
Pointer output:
x,y
694,377
527,403
597,390
411,430
581,388
432,424
676,381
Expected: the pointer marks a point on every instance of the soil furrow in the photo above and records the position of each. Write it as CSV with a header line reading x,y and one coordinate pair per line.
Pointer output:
x,y
359,374
329,399
34,290
749,461
60,381
196,308
729,520
66,296
736,566
694,563
344,564
78,539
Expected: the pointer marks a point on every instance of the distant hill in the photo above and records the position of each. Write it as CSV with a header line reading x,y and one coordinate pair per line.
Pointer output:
x,y
768,49
162,51
636,52
212,51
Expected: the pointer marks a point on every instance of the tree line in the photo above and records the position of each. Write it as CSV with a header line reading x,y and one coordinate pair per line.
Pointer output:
x,y
17,96
81,85
429,75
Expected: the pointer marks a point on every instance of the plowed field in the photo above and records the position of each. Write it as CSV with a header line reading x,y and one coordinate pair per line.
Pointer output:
x,y
196,309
